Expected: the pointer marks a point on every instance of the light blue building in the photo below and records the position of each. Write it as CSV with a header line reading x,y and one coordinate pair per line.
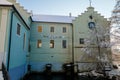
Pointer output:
x,y
16,33
51,42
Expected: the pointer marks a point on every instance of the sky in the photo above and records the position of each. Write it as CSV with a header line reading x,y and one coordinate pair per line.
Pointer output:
x,y
64,7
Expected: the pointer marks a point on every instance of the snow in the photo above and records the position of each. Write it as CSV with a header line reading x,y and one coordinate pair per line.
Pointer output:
x,y
52,18
114,72
1,76
5,2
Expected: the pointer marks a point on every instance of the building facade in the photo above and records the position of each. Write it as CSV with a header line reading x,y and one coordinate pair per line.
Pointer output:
x,y
51,42
83,38
32,41
14,38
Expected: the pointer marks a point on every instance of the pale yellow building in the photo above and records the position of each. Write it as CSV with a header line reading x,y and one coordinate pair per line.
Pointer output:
x,y
82,32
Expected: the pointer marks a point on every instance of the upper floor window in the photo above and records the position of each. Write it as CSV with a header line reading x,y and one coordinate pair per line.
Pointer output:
x,y
39,28
51,29
39,43
81,41
51,43
64,43
64,29
18,29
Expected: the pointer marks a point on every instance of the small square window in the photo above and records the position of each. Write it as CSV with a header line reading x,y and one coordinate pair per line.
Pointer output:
x,y
39,43
81,41
18,29
51,43
51,29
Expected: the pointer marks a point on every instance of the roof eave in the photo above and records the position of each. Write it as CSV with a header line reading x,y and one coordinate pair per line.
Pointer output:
x,y
53,22
5,5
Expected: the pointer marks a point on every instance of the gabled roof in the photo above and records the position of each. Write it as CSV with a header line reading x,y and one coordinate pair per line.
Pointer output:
x,y
52,18
5,2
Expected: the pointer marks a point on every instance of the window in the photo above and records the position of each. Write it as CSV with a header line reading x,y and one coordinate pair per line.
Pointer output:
x,y
64,43
64,29
51,43
51,29
39,43
24,41
81,41
39,28
18,29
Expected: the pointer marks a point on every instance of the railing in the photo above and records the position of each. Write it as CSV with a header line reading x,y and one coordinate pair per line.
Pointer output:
x,y
5,73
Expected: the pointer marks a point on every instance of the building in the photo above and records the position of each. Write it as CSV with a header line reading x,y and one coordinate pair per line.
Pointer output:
x,y
51,41
32,41
14,37
82,32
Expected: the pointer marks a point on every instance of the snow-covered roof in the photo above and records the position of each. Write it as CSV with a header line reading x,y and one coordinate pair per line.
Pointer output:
x,y
53,18
5,2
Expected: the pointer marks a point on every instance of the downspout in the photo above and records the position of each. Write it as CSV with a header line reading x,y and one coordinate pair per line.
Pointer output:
x,y
9,46
72,45
73,64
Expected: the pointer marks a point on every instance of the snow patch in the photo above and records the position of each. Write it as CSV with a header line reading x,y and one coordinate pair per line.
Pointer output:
x,y
4,2
52,18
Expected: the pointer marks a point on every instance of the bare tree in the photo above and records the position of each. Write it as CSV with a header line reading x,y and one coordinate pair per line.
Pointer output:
x,y
98,47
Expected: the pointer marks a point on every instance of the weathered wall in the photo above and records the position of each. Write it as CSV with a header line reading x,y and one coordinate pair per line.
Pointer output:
x,y
57,56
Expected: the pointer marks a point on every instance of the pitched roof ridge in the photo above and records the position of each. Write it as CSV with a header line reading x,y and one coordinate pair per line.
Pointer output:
x,y
52,18
52,15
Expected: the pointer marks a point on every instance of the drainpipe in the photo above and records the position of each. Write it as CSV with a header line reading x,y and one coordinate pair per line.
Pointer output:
x,y
72,45
73,64
9,46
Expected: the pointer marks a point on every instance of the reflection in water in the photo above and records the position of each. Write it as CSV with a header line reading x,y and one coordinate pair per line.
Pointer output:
x,y
60,77
48,77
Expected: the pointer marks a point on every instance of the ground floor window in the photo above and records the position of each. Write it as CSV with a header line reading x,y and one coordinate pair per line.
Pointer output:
x,y
64,43
51,43
39,43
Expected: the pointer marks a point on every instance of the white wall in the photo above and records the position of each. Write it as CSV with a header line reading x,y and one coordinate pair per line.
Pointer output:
x,y
3,26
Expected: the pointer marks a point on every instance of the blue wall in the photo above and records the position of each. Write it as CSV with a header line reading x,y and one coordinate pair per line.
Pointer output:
x,y
18,59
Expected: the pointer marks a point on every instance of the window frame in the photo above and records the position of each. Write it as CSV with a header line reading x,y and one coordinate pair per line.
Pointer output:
x,y
52,29
64,43
52,43
81,41
64,29
39,29
18,29
39,43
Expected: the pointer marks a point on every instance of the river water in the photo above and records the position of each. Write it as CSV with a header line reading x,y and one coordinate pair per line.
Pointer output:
x,y
61,77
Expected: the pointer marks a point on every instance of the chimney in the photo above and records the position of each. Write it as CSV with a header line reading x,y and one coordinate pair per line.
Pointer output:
x,y
70,15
